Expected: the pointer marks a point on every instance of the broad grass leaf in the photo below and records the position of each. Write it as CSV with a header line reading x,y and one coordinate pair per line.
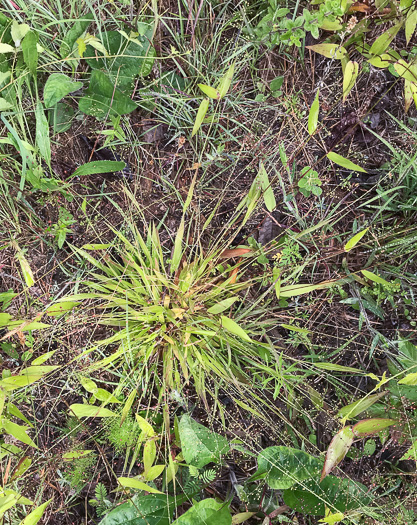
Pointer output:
x,y
56,310
26,269
57,87
242,517
128,405
221,306
25,326
226,81
133,483
177,253
42,133
35,515
268,193
372,426
354,409
406,70
7,502
329,50
338,448
312,497
337,368
375,278
21,500
145,426
88,384
410,25
286,466
409,379
408,94
345,163
292,290
349,77
209,91
153,509
313,116
384,40
80,410
75,454
207,512
201,113
99,166
30,51
17,431
234,328
154,472
149,455
13,382
199,445
105,397
352,242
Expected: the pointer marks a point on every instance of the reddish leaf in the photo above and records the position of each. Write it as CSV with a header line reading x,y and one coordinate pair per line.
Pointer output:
x,y
337,450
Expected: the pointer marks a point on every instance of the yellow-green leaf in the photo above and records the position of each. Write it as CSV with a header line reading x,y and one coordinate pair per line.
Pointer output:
x,y
242,517
293,290
226,81
154,472
337,368
372,426
6,48
354,240
18,31
384,40
128,405
17,431
333,518
354,409
133,483
234,328
145,426
268,193
410,24
25,267
409,379
62,308
149,455
375,278
345,163
201,113
35,515
222,305
177,253
349,78
329,50
405,70
80,410
88,384
209,91
42,358
313,116
75,454
82,46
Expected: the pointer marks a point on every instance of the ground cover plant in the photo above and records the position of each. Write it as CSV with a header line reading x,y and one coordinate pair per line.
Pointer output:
x,y
207,262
